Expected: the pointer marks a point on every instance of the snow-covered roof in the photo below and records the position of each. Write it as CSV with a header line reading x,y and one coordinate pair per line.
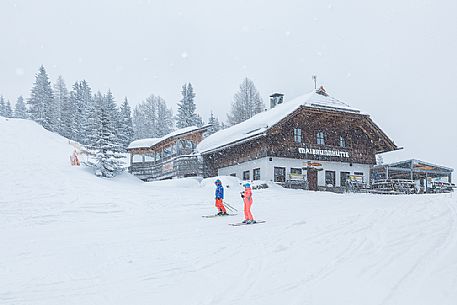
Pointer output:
x,y
261,122
146,143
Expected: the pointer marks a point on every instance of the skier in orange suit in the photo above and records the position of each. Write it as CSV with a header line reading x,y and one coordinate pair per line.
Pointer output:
x,y
247,198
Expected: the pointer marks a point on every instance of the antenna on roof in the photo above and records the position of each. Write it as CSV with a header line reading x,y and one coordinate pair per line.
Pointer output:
x,y
315,81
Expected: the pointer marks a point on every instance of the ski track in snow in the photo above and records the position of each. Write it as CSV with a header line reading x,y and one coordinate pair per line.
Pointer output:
x,y
70,238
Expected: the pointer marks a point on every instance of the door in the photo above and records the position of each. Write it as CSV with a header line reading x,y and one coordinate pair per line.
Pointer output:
x,y
344,176
312,180
280,174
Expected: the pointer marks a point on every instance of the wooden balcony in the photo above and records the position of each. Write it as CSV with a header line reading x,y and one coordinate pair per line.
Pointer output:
x,y
175,167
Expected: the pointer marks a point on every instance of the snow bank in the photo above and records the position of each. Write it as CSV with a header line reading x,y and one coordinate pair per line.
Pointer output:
x,y
71,238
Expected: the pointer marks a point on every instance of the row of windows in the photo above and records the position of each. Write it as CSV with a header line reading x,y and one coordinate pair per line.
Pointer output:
x,y
320,137
344,176
247,174
280,175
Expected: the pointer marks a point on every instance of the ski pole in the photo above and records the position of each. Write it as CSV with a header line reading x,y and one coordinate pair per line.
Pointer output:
x,y
230,206
230,209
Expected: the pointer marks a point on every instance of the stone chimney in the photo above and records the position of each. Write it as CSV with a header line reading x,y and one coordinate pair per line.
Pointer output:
x,y
276,99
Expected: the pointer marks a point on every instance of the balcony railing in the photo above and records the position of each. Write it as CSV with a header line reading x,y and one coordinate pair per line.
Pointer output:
x,y
176,167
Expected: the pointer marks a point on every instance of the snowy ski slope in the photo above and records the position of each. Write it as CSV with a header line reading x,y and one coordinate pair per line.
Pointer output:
x,y
68,237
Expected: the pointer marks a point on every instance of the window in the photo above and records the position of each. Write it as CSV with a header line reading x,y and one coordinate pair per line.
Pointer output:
x,y
137,159
256,173
358,174
246,175
233,175
149,158
297,135
296,174
344,176
296,171
167,151
342,141
280,174
320,137
330,178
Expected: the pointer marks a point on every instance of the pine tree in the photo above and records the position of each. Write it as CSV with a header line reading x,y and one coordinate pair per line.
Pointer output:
x,y
93,132
246,104
108,155
79,104
20,111
64,113
126,128
214,124
8,110
164,118
41,100
2,106
186,109
152,118
86,106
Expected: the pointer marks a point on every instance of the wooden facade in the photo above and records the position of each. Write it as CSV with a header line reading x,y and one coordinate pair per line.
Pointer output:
x,y
362,140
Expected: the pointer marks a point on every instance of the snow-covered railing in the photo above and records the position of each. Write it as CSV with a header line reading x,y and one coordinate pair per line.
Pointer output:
x,y
179,166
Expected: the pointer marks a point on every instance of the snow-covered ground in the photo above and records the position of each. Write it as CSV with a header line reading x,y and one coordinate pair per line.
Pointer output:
x,y
68,237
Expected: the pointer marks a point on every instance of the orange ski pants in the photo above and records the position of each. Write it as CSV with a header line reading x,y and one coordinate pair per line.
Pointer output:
x,y
247,209
220,206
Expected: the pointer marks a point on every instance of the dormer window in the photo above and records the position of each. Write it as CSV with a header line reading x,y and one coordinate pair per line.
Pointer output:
x,y
320,138
342,141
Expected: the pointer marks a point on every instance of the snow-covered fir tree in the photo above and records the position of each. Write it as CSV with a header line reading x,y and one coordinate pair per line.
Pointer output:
x,y
108,159
246,103
79,104
41,100
61,102
164,118
67,109
104,141
93,127
215,126
152,118
8,110
2,106
20,110
87,105
126,125
186,115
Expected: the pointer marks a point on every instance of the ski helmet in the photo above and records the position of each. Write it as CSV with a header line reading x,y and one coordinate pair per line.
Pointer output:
x,y
218,181
247,184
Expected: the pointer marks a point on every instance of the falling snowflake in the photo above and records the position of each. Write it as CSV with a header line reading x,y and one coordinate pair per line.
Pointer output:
x,y
19,71
184,55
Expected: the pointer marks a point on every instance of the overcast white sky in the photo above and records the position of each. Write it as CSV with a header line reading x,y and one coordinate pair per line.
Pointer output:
x,y
394,59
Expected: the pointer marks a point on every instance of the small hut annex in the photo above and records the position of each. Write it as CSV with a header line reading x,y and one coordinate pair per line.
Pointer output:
x,y
422,177
171,156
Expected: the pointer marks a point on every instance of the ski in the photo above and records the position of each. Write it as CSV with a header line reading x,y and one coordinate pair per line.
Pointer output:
x,y
212,216
246,224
